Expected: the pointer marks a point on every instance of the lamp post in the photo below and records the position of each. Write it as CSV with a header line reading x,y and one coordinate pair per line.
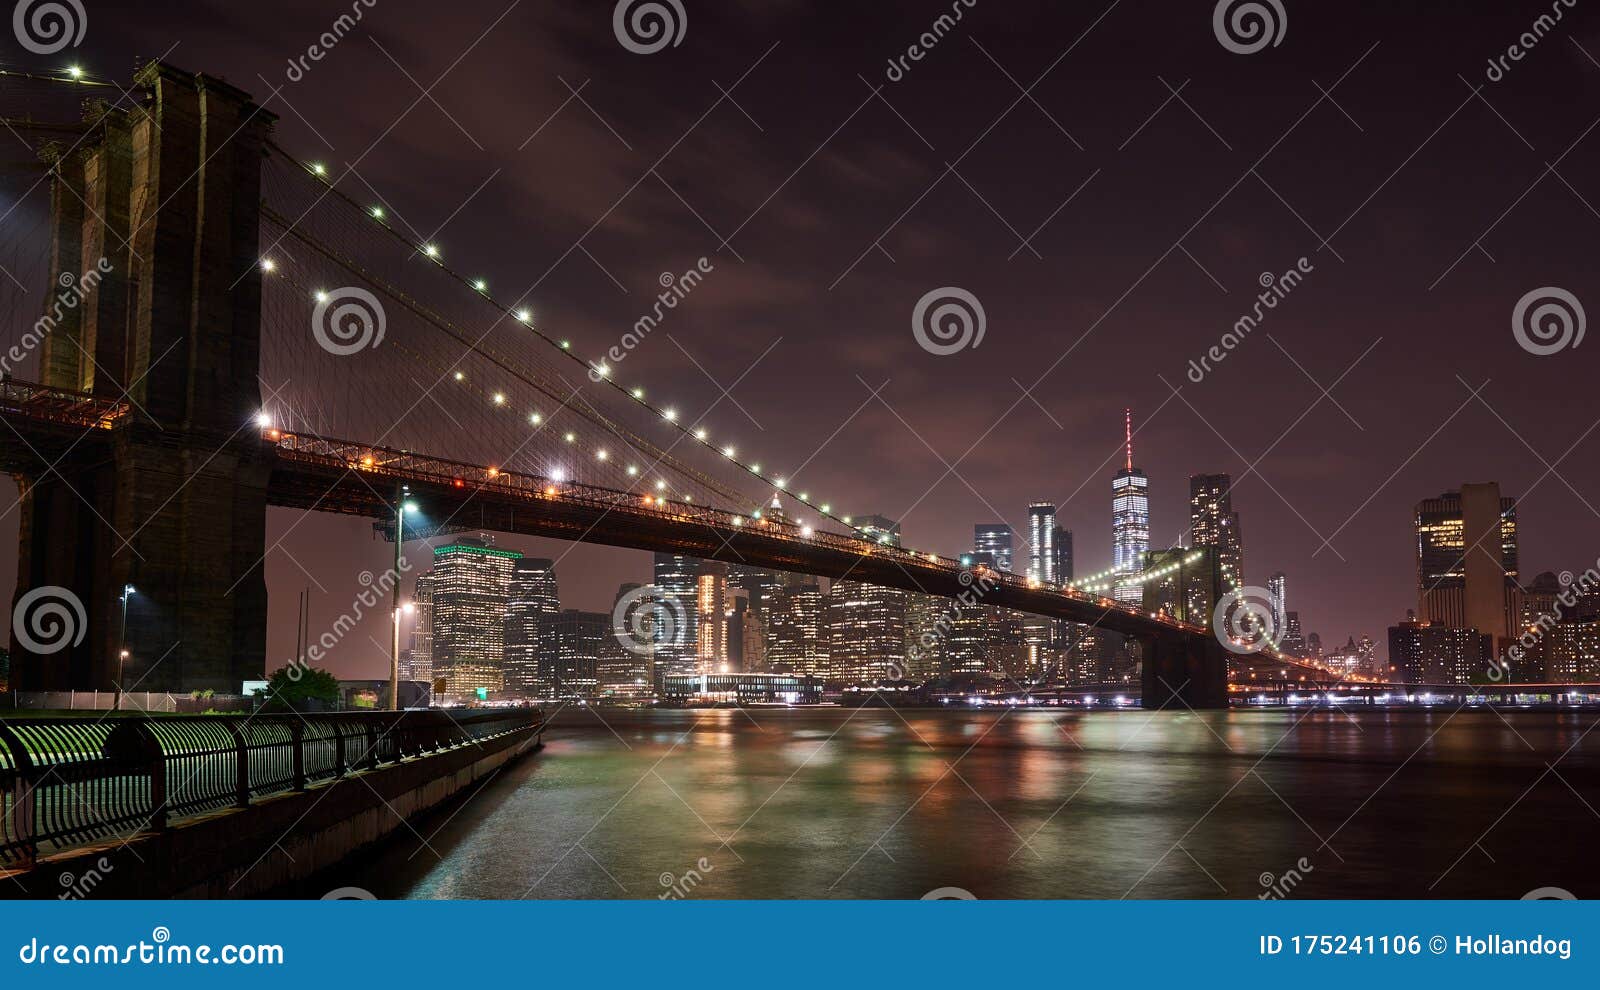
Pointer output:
x,y
122,649
401,507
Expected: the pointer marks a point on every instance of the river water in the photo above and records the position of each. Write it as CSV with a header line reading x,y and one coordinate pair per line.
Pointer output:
x,y
831,803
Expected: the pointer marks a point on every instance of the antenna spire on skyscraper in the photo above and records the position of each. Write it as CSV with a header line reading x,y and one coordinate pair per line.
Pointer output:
x,y
1127,425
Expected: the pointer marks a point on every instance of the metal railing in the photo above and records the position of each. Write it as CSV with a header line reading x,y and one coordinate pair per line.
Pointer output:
x,y
67,781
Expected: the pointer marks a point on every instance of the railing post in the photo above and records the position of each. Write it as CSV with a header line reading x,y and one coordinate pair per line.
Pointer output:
x,y
339,764
158,776
241,786
371,762
22,802
298,728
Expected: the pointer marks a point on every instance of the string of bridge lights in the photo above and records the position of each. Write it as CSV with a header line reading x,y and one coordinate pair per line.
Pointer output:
x,y
496,398
524,317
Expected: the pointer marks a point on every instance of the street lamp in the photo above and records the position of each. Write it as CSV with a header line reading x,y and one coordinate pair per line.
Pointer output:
x,y
122,652
403,505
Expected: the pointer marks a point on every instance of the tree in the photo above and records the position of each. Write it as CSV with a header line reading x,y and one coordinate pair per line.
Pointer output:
x,y
292,686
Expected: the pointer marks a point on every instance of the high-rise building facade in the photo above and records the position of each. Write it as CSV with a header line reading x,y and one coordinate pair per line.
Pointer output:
x,y
711,618
1042,542
534,598
621,669
472,584
419,666
676,581
577,638
1064,564
866,628
1213,523
1467,561
1130,520
993,539
1429,653
796,643
1277,591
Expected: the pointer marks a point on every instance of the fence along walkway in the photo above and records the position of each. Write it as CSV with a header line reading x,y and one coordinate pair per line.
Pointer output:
x,y
68,781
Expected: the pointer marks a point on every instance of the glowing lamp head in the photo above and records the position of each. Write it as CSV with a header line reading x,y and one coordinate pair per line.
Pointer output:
x,y
317,168
431,251
75,71
268,265
524,316
481,285
377,213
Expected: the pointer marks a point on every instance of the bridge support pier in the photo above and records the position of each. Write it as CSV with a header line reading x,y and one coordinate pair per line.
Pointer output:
x,y
1185,672
173,501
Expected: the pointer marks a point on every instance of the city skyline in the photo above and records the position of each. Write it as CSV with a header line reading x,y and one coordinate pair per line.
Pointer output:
x,y
1395,430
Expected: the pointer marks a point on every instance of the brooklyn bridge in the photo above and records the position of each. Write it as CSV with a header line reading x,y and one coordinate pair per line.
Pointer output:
x,y
226,330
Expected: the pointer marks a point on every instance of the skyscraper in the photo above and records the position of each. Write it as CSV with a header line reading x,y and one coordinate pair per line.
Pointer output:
x,y
866,626
795,641
577,637
1042,542
420,667
1213,523
993,539
621,672
1064,563
1276,591
533,599
472,582
711,618
1467,561
675,580
1130,519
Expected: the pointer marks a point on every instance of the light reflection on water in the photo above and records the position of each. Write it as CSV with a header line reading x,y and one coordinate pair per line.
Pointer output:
x,y
1039,804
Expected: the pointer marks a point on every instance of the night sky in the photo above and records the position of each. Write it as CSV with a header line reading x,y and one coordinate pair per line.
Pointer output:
x,y
1111,230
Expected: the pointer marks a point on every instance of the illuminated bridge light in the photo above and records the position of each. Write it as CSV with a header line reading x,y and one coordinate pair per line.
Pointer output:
x,y
805,531
494,472
319,169
661,486
737,521
700,435
431,251
481,285
268,265
601,454
461,376
728,452
321,296
755,469
571,438
632,471
535,418
499,398
670,415
524,316
638,393
781,483
377,213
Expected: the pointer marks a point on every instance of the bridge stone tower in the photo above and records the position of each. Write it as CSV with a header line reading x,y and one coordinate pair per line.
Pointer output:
x,y
173,501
